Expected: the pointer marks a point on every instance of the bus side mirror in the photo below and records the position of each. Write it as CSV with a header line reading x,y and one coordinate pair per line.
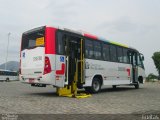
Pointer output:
x,y
142,57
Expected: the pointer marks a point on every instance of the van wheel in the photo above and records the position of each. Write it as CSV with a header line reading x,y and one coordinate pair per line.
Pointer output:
x,y
137,85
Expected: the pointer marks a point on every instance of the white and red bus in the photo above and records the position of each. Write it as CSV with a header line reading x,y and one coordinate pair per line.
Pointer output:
x,y
54,56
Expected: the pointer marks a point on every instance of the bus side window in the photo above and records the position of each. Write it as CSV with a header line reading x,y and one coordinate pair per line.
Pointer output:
x,y
88,48
140,61
105,50
132,55
120,54
97,50
3,72
60,43
125,55
113,53
25,42
135,59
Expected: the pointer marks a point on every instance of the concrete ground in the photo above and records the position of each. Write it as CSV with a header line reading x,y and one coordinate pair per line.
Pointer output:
x,y
19,98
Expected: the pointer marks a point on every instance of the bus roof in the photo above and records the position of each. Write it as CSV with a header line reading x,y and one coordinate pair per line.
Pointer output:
x,y
82,33
86,34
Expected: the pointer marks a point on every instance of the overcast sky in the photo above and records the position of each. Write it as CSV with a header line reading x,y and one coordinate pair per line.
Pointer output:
x,y
132,22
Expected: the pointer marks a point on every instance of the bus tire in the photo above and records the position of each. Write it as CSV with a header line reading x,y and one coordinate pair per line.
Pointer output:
x,y
136,85
88,89
96,85
114,86
7,79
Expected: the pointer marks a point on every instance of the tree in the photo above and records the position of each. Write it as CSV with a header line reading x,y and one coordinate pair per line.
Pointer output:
x,y
156,59
151,76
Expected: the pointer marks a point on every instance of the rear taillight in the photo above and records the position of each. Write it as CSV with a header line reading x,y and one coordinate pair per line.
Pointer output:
x,y
47,66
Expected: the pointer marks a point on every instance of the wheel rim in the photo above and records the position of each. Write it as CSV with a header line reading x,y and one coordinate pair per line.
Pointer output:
x,y
96,85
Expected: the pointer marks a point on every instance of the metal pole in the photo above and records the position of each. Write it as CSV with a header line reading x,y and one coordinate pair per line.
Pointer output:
x,y
7,51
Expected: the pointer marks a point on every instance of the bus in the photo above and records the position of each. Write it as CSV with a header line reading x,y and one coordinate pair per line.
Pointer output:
x,y
8,75
58,56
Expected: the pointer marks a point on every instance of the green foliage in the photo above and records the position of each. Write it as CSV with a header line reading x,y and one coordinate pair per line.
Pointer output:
x,y
151,76
156,59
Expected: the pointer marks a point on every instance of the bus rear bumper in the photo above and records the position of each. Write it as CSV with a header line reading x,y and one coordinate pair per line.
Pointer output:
x,y
44,79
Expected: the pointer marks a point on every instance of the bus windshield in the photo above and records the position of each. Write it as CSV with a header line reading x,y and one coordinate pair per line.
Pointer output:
x,y
33,39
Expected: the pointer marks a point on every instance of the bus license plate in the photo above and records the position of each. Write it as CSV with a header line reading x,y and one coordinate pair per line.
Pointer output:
x,y
31,80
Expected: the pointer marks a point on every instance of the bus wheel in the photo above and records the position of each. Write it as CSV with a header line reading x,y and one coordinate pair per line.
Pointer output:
x,y
7,79
88,89
96,85
114,86
137,85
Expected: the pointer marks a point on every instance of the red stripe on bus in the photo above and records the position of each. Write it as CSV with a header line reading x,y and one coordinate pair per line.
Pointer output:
x,y
129,72
62,71
90,36
50,42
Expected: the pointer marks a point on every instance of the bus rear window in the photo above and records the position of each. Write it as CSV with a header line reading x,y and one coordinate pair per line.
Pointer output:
x,y
33,39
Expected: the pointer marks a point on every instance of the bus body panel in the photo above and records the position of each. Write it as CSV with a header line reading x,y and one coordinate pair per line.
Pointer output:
x,y
44,79
41,79
50,40
60,70
32,61
55,78
112,73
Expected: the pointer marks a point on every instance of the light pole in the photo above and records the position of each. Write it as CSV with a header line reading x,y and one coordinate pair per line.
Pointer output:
x,y
7,51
